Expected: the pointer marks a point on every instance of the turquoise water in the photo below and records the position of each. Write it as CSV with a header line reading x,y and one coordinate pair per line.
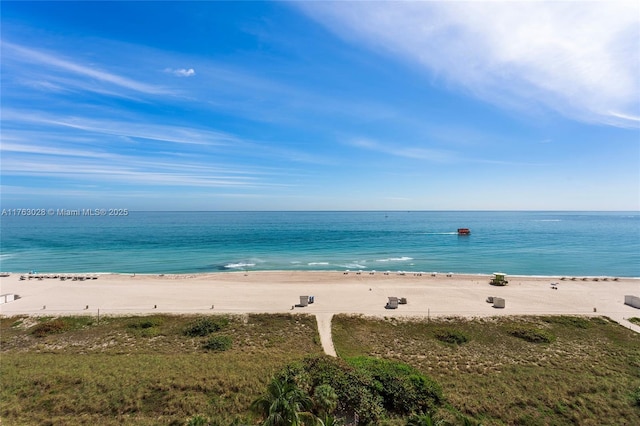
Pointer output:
x,y
519,243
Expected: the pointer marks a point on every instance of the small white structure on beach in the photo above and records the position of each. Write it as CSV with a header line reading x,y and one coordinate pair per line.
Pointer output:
x,y
392,303
498,302
633,301
8,297
304,300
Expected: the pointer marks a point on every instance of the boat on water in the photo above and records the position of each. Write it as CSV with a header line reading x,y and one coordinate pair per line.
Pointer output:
x,y
464,231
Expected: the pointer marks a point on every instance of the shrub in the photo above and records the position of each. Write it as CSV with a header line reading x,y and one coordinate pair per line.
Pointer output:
x,y
198,420
636,397
571,321
533,335
145,326
635,320
144,323
50,327
218,343
452,337
371,387
403,389
205,326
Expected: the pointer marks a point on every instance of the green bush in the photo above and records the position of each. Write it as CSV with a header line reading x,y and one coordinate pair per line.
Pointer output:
x,y
533,335
636,397
218,343
373,388
144,323
198,420
635,320
571,321
452,337
403,389
205,326
50,327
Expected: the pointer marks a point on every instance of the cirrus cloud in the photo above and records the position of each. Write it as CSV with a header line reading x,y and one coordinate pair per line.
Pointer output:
x,y
581,59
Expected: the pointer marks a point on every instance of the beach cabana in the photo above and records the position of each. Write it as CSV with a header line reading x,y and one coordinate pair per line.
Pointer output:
x,y
392,303
633,301
304,300
498,302
499,278
9,297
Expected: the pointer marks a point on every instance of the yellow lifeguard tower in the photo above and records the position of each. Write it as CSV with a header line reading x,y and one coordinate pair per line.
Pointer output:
x,y
499,278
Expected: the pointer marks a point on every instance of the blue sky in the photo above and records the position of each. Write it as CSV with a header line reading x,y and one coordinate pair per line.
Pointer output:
x,y
321,105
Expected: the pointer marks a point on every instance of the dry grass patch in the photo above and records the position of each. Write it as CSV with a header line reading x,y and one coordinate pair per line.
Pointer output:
x,y
585,371
144,370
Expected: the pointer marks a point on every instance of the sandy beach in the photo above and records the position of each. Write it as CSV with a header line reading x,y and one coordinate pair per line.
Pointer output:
x,y
334,293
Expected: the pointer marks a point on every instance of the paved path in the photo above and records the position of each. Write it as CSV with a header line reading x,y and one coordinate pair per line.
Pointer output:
x,y
324,329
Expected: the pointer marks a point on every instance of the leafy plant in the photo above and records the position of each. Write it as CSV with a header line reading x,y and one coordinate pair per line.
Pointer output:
x,y
571,321
198,420
144,323
453,337
370,387
636,396
205,326
422,420
218,343
283,404
533,335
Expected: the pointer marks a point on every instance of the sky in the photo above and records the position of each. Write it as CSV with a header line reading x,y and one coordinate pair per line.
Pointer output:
x,y
319,105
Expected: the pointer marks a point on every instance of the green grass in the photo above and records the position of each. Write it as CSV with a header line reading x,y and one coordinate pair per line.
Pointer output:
x,y
148,370
585,374
218,343
116,372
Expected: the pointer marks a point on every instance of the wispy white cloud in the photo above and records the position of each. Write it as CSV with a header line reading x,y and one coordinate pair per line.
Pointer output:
x,y
53,61
181,72
130,129
581,59
412,152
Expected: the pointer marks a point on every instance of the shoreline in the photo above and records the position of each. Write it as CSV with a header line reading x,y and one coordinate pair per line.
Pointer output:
x,y
329,271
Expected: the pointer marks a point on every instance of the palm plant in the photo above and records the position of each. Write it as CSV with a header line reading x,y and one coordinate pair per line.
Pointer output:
x,y
325,399
284,404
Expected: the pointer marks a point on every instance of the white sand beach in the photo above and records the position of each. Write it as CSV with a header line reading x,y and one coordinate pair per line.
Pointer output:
x,y
335,292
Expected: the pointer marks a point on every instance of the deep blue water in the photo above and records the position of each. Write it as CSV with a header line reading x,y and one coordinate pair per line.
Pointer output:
x,y
518,243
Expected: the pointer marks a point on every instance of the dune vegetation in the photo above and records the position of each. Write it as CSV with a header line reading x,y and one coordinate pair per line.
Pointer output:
x,y
225,370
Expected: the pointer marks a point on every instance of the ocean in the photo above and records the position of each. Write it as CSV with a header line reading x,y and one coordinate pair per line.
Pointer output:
x,y
517,243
